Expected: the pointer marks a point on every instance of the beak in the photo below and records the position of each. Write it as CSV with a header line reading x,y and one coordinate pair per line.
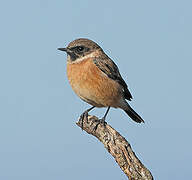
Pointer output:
x,y
63,49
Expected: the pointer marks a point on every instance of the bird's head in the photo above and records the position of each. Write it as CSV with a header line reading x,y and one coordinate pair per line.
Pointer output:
x,y
80,48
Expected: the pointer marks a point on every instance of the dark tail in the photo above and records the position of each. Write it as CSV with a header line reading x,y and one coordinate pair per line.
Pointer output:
x,y
133,115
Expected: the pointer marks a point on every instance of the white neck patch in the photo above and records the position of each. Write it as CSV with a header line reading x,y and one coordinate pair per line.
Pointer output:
x,y
91,55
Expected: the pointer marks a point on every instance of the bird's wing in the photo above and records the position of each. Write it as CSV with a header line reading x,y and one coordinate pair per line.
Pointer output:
x,y
107,66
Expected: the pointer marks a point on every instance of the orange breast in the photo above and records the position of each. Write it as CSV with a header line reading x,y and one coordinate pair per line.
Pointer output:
x,y
92,85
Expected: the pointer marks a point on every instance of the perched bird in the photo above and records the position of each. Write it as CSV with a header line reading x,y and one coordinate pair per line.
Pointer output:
x,y
96,79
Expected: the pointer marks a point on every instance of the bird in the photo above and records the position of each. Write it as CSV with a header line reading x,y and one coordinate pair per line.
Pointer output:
x,y
96,79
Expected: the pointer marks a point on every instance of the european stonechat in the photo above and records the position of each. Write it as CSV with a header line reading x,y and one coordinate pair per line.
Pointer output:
x,y
96,79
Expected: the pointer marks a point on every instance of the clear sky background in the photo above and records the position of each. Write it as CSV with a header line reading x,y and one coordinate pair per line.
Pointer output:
x,y
150,41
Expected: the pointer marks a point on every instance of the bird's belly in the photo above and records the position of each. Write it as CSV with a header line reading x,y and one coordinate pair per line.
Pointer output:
x,y
92,85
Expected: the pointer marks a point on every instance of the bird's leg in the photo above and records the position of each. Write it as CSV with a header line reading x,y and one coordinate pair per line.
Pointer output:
x,y
85,115
102,120
104,117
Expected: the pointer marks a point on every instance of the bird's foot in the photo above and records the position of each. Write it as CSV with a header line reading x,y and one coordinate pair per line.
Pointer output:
x,y
101,122
84,116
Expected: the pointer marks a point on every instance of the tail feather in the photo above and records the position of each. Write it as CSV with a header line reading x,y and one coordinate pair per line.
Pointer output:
x,y
133,115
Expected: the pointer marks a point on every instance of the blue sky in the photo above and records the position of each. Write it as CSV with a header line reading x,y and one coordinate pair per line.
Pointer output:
x,y
151,43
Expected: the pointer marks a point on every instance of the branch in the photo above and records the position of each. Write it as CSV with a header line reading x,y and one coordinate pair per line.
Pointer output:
x,y
118,147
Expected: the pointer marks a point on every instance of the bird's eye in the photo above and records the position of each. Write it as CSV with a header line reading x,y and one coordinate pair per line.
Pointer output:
x,y
80,48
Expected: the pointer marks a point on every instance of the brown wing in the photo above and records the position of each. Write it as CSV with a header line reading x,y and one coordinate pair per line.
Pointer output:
x,y
107,66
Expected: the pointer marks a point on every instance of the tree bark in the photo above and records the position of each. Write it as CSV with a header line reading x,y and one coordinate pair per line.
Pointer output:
x,y
118,147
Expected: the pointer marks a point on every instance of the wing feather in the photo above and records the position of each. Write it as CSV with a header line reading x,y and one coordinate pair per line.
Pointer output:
x,y
107,66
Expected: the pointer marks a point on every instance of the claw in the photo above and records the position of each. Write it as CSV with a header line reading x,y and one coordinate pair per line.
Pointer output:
x,y
95,128
82,117
85,116
101,122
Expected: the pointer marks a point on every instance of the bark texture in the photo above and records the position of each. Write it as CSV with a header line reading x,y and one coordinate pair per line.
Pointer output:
x,y
118,147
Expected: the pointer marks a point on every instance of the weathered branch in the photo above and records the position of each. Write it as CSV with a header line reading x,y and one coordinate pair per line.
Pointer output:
x,y
118,147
